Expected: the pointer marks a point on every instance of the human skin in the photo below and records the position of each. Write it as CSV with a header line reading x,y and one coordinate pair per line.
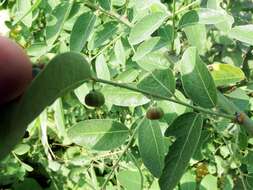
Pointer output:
x,y
15,70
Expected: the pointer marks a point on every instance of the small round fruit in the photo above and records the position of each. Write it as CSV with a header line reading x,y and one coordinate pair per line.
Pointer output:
x,y
15,70
94,99
154,113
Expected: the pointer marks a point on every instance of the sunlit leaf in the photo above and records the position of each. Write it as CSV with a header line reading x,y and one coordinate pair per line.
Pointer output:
x,y
225,74
99,134
196,79
243,33
145,27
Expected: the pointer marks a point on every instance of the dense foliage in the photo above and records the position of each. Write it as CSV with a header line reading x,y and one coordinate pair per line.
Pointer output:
x,y
130,94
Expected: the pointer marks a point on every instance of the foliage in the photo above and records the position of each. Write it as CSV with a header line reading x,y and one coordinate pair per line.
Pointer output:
x,y
192,59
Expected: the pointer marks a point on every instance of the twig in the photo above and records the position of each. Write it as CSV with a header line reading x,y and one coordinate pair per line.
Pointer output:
x,y
173,24
197,108
187,7
106,47
110,14
121,156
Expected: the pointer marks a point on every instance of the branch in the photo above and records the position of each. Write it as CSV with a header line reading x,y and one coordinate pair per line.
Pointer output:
x,y
173,24
121,156
187,7
235,114
110,14
197,108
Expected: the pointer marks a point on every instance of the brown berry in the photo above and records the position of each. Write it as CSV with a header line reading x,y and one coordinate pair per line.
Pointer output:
x,y
154,113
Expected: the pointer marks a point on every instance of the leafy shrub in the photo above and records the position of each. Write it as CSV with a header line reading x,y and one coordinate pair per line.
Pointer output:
x,y
191,59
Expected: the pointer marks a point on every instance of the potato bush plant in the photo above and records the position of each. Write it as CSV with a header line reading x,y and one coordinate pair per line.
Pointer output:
x,y
191,59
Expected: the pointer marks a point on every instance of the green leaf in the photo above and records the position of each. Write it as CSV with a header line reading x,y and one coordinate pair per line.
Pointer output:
x,y
187,130
81,31
159,82
151,146
130,179
243,33
188,181
23,11
153,61
149,46
120,52
105,4
240,98
209,181
225,74
56,21
21,149
166,32
212,16
204,16
196,35
223,26
60,120
233,58
123,97
103,34
63,73
128,76
189,18
28,12
27,167
99,134
102,69
213,4
145,27
81,92
38,49
196,79
171,109
226,105
27,183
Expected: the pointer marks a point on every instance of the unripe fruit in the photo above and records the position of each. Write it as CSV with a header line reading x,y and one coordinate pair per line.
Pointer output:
x,y
15,70
94,99
154,113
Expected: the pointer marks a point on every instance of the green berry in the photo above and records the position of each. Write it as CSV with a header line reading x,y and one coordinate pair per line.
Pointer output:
x,y
94,99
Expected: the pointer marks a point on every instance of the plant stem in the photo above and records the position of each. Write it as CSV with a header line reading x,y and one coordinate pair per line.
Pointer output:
x,y
197,108
182,10
187,7
106,47
110,14
121,156
173,24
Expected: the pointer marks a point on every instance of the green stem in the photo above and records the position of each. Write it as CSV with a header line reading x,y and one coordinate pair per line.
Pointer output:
x,y
110,14
173,24
106,47
197,108
121,156
182,10
187,7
